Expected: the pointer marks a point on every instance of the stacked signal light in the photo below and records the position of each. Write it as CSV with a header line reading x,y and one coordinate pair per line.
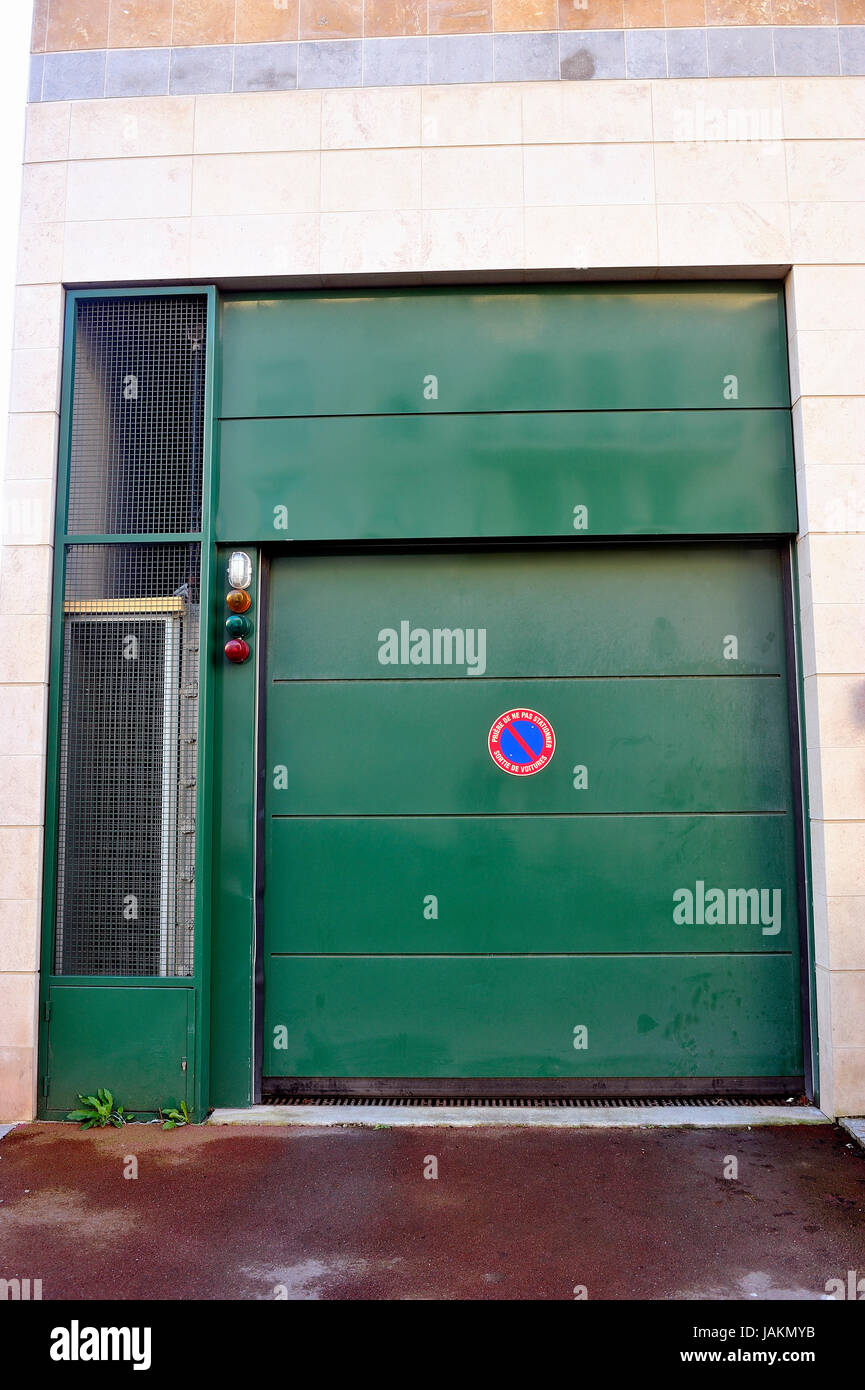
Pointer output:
x,y
238,601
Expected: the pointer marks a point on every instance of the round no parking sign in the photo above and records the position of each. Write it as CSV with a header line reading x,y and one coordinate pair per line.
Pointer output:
x,y
521,741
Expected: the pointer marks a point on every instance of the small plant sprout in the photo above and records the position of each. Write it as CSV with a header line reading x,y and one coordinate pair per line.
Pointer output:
x,y
100,1110
174,1118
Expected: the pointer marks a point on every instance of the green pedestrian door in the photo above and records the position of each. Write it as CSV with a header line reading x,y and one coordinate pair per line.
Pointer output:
x,y
627,910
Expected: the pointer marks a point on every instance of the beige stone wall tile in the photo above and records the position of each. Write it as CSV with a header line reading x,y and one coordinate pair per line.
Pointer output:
x,y
17,1083
725,234
848,1008
368,180
258,122
819,108
837,711
19,936
823,233
845,933
43,193
31,450
283,244
588,175
473,178
21,788
467,115
826,298
256,183
828,362
25,578
586,112
38,316
591,236
844,843
837,568
369,242
18,998
47,131
28,512
825,171
472,239
842,778
23,715
371,117
143,250
141,127
832,431
724,109
104,190
720,172
23,655
848,1082
839,638
20,862
35,380
40,253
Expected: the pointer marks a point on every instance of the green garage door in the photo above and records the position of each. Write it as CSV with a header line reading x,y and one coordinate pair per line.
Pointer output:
x,y
627,910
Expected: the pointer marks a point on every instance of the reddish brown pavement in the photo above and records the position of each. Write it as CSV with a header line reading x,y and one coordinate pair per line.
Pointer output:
x,y
347,1213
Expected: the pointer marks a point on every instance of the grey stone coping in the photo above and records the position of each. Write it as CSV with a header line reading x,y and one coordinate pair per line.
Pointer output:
x,y
740,51
730,1116
855,1127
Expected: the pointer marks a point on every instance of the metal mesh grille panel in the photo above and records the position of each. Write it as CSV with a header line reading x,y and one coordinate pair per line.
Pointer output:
x,y
129,730
137,416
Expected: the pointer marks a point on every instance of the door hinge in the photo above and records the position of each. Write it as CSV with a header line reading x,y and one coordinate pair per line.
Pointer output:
x,y
46,1084
47,1013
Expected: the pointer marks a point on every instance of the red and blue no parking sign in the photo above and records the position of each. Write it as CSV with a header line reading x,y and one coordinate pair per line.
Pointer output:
x,y
521,741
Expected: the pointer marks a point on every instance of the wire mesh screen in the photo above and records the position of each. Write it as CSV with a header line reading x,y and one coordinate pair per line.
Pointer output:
x,y
137,415
129,730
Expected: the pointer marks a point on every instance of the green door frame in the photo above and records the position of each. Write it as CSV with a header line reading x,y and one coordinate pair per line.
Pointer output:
x,y
227,962
199,982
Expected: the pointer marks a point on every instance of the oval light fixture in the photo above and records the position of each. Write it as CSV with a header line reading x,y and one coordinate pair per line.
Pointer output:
x,y
239,570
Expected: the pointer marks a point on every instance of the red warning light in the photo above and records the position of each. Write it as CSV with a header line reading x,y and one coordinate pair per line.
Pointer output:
x,y
237,650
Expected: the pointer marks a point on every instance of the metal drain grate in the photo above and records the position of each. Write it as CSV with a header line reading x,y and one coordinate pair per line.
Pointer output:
x,y
540,1102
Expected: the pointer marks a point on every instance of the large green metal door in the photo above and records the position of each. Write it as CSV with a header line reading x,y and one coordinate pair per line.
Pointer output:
x,y
627,911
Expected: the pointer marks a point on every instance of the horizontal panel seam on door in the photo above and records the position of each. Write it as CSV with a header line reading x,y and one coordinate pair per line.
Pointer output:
x,y
431,680
542,410
522,955
508,815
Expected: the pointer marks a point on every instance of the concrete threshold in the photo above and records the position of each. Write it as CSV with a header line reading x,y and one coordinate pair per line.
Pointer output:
x,y
855,1127
533,1116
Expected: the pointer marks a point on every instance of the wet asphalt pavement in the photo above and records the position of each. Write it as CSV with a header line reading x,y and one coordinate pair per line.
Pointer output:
x,y
348,1213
